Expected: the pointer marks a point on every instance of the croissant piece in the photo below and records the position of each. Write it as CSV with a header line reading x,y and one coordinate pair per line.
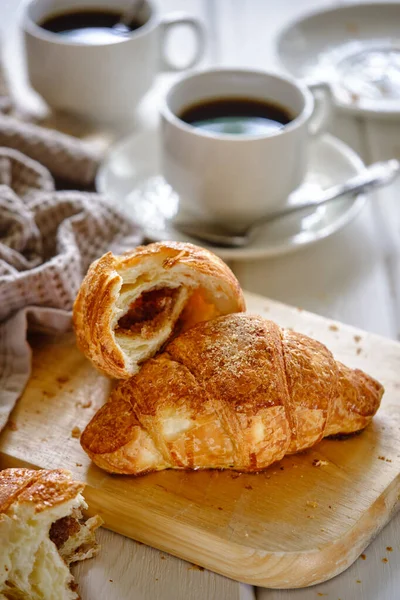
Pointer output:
x,y
235,392
42,531
128,306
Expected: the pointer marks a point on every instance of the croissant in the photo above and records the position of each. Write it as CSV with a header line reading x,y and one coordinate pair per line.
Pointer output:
x,y
128,306
237,392
42,531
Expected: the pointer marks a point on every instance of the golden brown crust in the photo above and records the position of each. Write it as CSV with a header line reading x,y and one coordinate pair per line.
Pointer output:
x,y
235,392
42,488
12,483
214,291
312,379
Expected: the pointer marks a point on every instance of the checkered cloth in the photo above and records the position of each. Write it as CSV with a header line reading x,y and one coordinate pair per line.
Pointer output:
x,y
48,239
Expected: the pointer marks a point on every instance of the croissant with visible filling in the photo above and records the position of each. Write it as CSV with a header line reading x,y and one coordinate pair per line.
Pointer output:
x,y
42,531
129,306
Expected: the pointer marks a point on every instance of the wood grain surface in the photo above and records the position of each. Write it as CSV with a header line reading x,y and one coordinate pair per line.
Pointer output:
x,y
294,525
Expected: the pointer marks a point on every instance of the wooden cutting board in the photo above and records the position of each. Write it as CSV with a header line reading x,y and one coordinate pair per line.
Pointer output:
x,y
301,522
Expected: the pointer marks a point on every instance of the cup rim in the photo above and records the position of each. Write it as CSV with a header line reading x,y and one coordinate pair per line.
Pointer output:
x,y
298,121
31,27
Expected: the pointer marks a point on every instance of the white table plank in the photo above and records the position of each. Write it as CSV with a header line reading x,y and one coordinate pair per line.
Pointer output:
x,y
128,570
341,277
382,140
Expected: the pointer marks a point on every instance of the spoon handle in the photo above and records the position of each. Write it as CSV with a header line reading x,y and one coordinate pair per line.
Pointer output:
x,y
376,175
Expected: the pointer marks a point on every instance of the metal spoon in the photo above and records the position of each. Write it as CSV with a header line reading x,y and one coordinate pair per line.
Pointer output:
x,y
376,175
128,16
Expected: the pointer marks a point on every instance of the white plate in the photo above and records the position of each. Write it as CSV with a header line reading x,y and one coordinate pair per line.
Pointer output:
x,y
354,47
130,176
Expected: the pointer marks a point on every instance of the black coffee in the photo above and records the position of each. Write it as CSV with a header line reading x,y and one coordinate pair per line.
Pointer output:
x,y
238,116
89,26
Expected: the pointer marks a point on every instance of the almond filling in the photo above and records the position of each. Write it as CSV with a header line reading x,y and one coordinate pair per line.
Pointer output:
x,y
148,312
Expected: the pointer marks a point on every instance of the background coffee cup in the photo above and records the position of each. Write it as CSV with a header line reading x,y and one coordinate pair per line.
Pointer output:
x,y
102,82
236,179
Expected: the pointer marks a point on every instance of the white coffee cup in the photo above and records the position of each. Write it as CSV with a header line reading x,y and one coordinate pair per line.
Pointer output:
x,y
236,179
101,82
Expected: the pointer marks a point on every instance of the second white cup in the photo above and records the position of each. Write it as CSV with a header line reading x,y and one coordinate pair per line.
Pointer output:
x,y
234,179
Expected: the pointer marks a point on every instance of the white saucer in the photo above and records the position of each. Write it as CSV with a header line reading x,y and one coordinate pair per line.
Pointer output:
x,y
356,48
131,177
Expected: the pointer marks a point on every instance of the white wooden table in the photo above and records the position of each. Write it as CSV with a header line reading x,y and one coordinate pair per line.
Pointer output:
x,y
353,276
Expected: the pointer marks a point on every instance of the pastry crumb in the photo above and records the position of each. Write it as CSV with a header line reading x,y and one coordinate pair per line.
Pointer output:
x,y
387,460
358,580
333,327
358,351
385,560
78,464
321,594
389,548
111,580
317,462
248,487
357,338
312,504
162,557
76,432
220,508
381,458
86,404
363,556
196,568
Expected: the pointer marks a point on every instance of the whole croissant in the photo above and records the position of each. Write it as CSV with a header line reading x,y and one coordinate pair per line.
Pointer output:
x,y
236,392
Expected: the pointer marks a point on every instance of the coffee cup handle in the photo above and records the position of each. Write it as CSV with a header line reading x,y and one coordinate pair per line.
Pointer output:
x,y
196,26
320,118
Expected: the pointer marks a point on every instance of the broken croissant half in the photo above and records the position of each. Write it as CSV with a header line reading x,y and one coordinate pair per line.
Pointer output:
x,y
42,531
128,306
237,392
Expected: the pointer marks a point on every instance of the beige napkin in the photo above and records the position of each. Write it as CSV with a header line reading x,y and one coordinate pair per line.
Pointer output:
x,y
48,239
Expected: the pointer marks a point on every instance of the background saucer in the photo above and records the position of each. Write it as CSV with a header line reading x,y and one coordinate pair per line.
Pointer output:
x,y
356,48
130,176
